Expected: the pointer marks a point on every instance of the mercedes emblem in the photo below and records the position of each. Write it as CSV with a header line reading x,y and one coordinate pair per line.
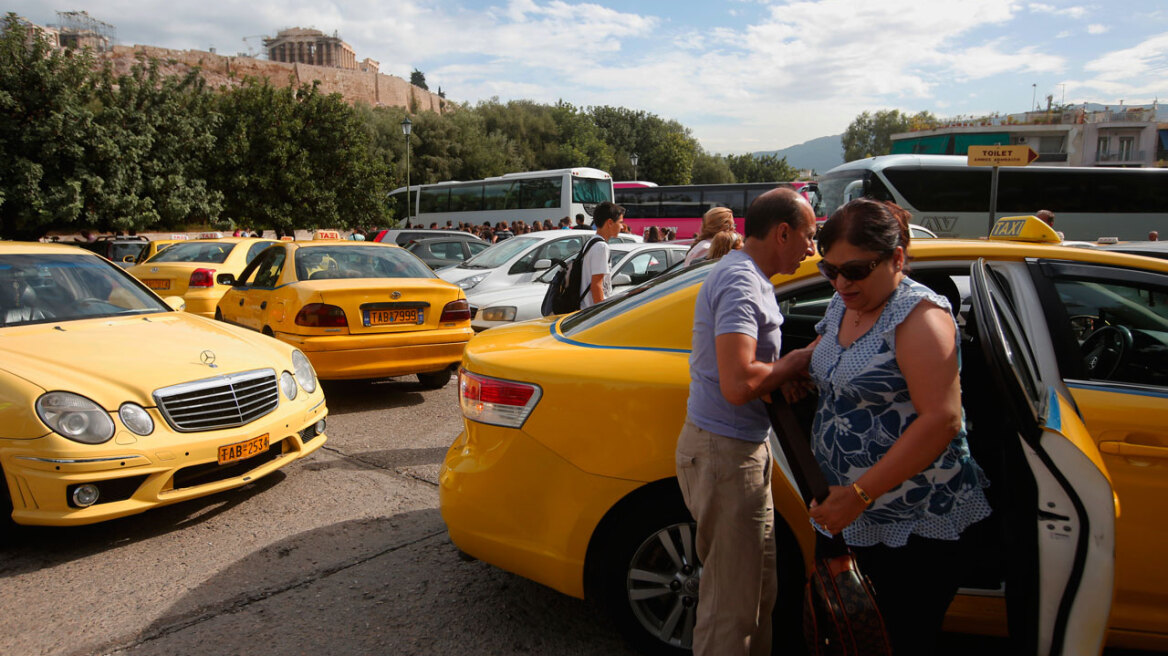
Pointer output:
x,y
208,358
395,295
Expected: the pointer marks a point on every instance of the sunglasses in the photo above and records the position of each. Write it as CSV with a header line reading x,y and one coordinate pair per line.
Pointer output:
x,y
854,270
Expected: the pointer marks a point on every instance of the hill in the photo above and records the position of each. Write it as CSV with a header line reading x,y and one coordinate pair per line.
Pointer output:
x,y
818,154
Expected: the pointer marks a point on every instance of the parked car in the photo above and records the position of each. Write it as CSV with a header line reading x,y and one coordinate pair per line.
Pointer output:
x,y
115,403
519,259
403,236
1065,390
442,252
122,251
357,309
189,269
631,264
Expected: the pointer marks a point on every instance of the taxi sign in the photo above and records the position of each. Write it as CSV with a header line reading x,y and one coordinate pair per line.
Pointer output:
x,y
210,235
326,234
179,237
1000,155
287,238
1024,228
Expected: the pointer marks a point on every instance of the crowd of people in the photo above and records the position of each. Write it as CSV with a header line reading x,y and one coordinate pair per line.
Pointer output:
x,y
503,230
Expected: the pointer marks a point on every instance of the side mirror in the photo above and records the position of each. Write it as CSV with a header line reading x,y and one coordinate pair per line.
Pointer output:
x,y
226,279
540,265
129,259
621,279
176,303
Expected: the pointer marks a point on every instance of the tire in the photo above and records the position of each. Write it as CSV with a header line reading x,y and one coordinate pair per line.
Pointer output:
x,y
433,380
651,596
7,526
218,315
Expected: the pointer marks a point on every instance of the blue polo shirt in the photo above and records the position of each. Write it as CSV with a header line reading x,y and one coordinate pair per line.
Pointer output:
x,y
735,298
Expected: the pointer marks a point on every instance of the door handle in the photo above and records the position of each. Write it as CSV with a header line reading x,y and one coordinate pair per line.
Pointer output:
x,y
1129,450
264,305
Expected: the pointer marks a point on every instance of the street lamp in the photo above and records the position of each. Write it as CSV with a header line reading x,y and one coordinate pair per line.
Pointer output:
x,y
633,159
407,128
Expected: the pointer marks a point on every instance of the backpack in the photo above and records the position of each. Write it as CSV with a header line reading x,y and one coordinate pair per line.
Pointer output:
x,y
562,296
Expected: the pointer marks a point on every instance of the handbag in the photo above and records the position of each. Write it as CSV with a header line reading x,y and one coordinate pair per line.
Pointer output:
x,y
840,616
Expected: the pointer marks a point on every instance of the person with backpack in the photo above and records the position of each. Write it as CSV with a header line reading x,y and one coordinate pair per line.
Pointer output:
x,y
595,280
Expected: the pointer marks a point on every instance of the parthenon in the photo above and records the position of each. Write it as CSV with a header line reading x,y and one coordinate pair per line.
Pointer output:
x,y
304,46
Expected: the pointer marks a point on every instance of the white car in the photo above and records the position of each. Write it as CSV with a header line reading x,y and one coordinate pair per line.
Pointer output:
x,y
631,264
516,260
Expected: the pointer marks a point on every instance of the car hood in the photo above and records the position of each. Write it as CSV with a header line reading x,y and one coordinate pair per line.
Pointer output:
x,y
115,360
456,273
513,294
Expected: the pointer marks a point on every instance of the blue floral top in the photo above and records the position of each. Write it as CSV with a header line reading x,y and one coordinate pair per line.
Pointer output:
x,y
864,407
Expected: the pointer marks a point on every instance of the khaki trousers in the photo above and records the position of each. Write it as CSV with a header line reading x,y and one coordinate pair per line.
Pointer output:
x,y
727,487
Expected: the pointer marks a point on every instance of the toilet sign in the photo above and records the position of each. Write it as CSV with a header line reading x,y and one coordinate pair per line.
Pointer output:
x,y
1000,155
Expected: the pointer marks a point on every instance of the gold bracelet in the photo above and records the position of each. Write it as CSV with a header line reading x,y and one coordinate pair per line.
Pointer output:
x,y
862,494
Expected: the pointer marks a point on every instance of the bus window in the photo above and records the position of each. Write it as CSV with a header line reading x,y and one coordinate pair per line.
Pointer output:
x,y
435,200
539,193
639,202
466,199
943,190
497,194
591,190
681,204
735,199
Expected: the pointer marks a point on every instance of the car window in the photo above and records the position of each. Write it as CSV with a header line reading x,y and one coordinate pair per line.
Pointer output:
x,y
557,249
331,262
499,254
203,252
257,248
53,287
644,266
1121,328
447,250
120,251
476,247
268,272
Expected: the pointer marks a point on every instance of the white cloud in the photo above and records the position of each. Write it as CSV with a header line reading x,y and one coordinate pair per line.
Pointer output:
x,y
1136,74
1062,35
1096,28
1075,12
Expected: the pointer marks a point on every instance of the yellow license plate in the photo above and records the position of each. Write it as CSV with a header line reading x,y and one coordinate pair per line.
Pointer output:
x,y
386,317
243,450
157,284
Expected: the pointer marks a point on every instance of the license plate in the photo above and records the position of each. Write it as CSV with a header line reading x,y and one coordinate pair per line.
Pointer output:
x,y
243,450
391,317
157,284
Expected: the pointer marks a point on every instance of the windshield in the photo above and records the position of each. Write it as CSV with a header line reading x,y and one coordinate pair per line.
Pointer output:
x,y
500,254
589,190
327,262
51,287
203,252
831,190
615,254
661,286
120,251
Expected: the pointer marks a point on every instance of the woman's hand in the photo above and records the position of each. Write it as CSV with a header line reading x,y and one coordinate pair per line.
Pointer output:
x,y
841,507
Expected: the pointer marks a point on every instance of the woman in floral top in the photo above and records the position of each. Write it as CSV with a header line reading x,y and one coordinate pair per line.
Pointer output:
x,y
889,431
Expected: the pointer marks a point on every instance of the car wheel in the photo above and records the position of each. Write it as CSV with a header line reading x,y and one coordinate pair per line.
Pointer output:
x,y
434,379
218,315
268,331
647,575
6,523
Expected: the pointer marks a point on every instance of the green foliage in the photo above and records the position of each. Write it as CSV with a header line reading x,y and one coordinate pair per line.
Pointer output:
x,y
712,169
869,135
767,168
418,79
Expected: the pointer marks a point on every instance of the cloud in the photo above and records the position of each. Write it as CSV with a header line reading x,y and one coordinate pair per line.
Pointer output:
x,y
1096,28
1076,12
1136,74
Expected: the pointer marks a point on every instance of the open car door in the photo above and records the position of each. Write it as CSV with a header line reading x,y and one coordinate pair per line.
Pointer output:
x,y
1061,524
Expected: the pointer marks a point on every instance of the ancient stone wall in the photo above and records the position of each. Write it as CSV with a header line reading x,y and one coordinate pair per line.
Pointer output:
x,y
218,70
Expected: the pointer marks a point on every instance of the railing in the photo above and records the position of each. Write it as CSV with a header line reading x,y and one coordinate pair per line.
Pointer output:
x,y
1052,157
1129,156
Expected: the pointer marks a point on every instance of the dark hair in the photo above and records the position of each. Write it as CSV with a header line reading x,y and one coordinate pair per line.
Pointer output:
x,y
772,208
605,212
868,224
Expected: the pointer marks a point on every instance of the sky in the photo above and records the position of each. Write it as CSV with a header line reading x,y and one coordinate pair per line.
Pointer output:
x,y
743,75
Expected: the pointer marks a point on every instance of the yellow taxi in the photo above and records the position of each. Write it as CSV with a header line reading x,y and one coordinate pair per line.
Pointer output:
x,y
188,269
357,309
113,403
564,472
155,246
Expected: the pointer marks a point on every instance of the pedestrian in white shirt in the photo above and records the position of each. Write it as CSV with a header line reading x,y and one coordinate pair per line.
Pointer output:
x,y
607,220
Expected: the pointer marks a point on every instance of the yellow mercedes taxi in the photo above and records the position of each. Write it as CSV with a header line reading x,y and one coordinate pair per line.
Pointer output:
x,y
189,268
156,246
357,309
112,402
564,472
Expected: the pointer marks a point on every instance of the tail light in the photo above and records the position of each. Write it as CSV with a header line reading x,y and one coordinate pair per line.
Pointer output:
x,y
495,401
455,311
321,315
202,278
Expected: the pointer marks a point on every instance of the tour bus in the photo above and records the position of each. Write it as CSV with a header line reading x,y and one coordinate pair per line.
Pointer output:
x,y
681,207
952,199
527,197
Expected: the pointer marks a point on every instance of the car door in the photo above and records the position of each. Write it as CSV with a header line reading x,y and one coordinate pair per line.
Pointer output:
x,y
524,269
1111,325
258,288
1059,598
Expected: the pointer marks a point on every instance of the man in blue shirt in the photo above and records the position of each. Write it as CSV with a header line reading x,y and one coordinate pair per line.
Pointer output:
x,y
723,458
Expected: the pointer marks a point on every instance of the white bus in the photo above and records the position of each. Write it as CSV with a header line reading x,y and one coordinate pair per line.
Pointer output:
x,y
527,197
952,199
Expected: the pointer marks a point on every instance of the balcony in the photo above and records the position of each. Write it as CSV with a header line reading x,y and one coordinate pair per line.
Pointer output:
x,y
1120,157
1052,157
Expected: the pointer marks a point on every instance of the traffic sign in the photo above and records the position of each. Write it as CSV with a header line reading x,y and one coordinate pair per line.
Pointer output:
x,y
1001,155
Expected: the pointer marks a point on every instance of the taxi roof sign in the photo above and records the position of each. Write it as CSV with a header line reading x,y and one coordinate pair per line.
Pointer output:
x,y
1000,156
326,234
210,235
1024,228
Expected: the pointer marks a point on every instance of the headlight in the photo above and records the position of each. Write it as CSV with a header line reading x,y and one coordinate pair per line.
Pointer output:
x,y
136,418
305,375
75,417
467,283
500,313
288,385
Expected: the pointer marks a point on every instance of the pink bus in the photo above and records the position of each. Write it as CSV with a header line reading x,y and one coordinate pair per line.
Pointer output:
x,y
681,207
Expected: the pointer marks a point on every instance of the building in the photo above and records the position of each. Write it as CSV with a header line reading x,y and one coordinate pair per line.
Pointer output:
x,y
304,46
78,30
1072,136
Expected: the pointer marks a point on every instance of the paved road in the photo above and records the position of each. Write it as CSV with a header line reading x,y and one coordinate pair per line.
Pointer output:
x,y
341,553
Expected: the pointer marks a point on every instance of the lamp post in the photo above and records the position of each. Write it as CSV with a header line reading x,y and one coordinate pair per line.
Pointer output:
x,y
633,159
407,126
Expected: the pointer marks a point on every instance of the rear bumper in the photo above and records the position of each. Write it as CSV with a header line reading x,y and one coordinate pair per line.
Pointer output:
x,y
203,302
338,357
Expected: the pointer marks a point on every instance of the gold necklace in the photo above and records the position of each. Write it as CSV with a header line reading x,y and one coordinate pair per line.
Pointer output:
x,y
859,315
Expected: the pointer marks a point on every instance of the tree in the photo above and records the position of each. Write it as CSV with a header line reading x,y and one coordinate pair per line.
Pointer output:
x,y
418,79
711,169
765,168
869,135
